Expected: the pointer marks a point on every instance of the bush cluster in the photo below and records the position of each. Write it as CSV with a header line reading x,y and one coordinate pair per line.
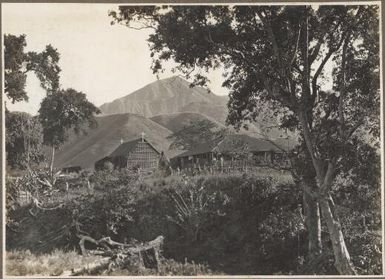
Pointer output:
x,y
235,224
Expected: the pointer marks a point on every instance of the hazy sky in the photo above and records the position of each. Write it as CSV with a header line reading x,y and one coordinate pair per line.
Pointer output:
x,y
102,60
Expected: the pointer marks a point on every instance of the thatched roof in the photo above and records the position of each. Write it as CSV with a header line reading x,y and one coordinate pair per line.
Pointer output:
x,y
199,149
246,143
239,142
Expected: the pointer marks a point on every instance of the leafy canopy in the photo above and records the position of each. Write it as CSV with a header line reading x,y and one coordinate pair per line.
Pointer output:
x,y
17,63
64,110
320,64
196,133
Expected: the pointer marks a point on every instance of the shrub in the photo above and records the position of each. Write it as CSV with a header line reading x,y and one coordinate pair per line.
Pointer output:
x,y
238,224
360,213
111,179
108,166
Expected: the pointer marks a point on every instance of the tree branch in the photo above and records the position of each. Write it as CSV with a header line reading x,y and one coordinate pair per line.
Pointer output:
x,y
353,129
315,52
272,39
296,46
322,65
306,67
343,90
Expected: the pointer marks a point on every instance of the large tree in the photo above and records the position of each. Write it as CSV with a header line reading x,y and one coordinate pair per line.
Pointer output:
x,y
284,57
195,133
23,139
17,63
63,111
60,110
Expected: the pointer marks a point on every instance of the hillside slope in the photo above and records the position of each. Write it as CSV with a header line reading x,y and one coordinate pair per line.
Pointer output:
x,y
176,121
215,111
169,95
85,150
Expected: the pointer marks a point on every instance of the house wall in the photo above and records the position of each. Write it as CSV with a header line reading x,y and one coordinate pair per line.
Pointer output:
x,y
263,158
227,162
143,156
199,161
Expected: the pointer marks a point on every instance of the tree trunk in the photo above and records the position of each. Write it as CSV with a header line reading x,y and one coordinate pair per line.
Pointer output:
x,y
325,180
341,254
313,225
311,208
52,159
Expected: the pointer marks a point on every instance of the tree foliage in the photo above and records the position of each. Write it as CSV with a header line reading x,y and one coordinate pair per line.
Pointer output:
x,y
198,132
62,111
17,63
280,56
262,49
24,139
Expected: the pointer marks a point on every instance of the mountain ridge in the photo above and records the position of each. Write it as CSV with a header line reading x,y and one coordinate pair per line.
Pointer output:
x,y
170,95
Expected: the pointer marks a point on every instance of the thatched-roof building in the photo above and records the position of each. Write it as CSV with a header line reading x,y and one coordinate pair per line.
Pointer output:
x,y
235,150
138,153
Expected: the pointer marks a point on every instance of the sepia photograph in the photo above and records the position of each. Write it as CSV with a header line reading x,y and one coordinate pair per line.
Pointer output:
x,y
192,139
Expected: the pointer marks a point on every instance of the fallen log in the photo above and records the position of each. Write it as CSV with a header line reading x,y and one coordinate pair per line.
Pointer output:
x,y
130,248
83,239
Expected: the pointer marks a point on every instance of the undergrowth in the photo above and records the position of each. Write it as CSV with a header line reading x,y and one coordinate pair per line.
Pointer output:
x,y
23,263
233,223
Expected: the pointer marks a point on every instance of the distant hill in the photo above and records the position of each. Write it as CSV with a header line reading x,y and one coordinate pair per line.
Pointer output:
x,y
169,95
215,111
176,121
173,98
85,150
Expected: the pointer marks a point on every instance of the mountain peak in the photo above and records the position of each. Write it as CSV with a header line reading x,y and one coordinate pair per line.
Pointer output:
x,y
169,95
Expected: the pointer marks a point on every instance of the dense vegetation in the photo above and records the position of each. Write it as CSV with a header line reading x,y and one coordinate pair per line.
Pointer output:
x,y
232,224
284,58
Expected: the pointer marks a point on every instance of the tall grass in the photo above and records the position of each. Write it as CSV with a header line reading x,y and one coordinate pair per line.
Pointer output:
x,y
168,267
22,263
